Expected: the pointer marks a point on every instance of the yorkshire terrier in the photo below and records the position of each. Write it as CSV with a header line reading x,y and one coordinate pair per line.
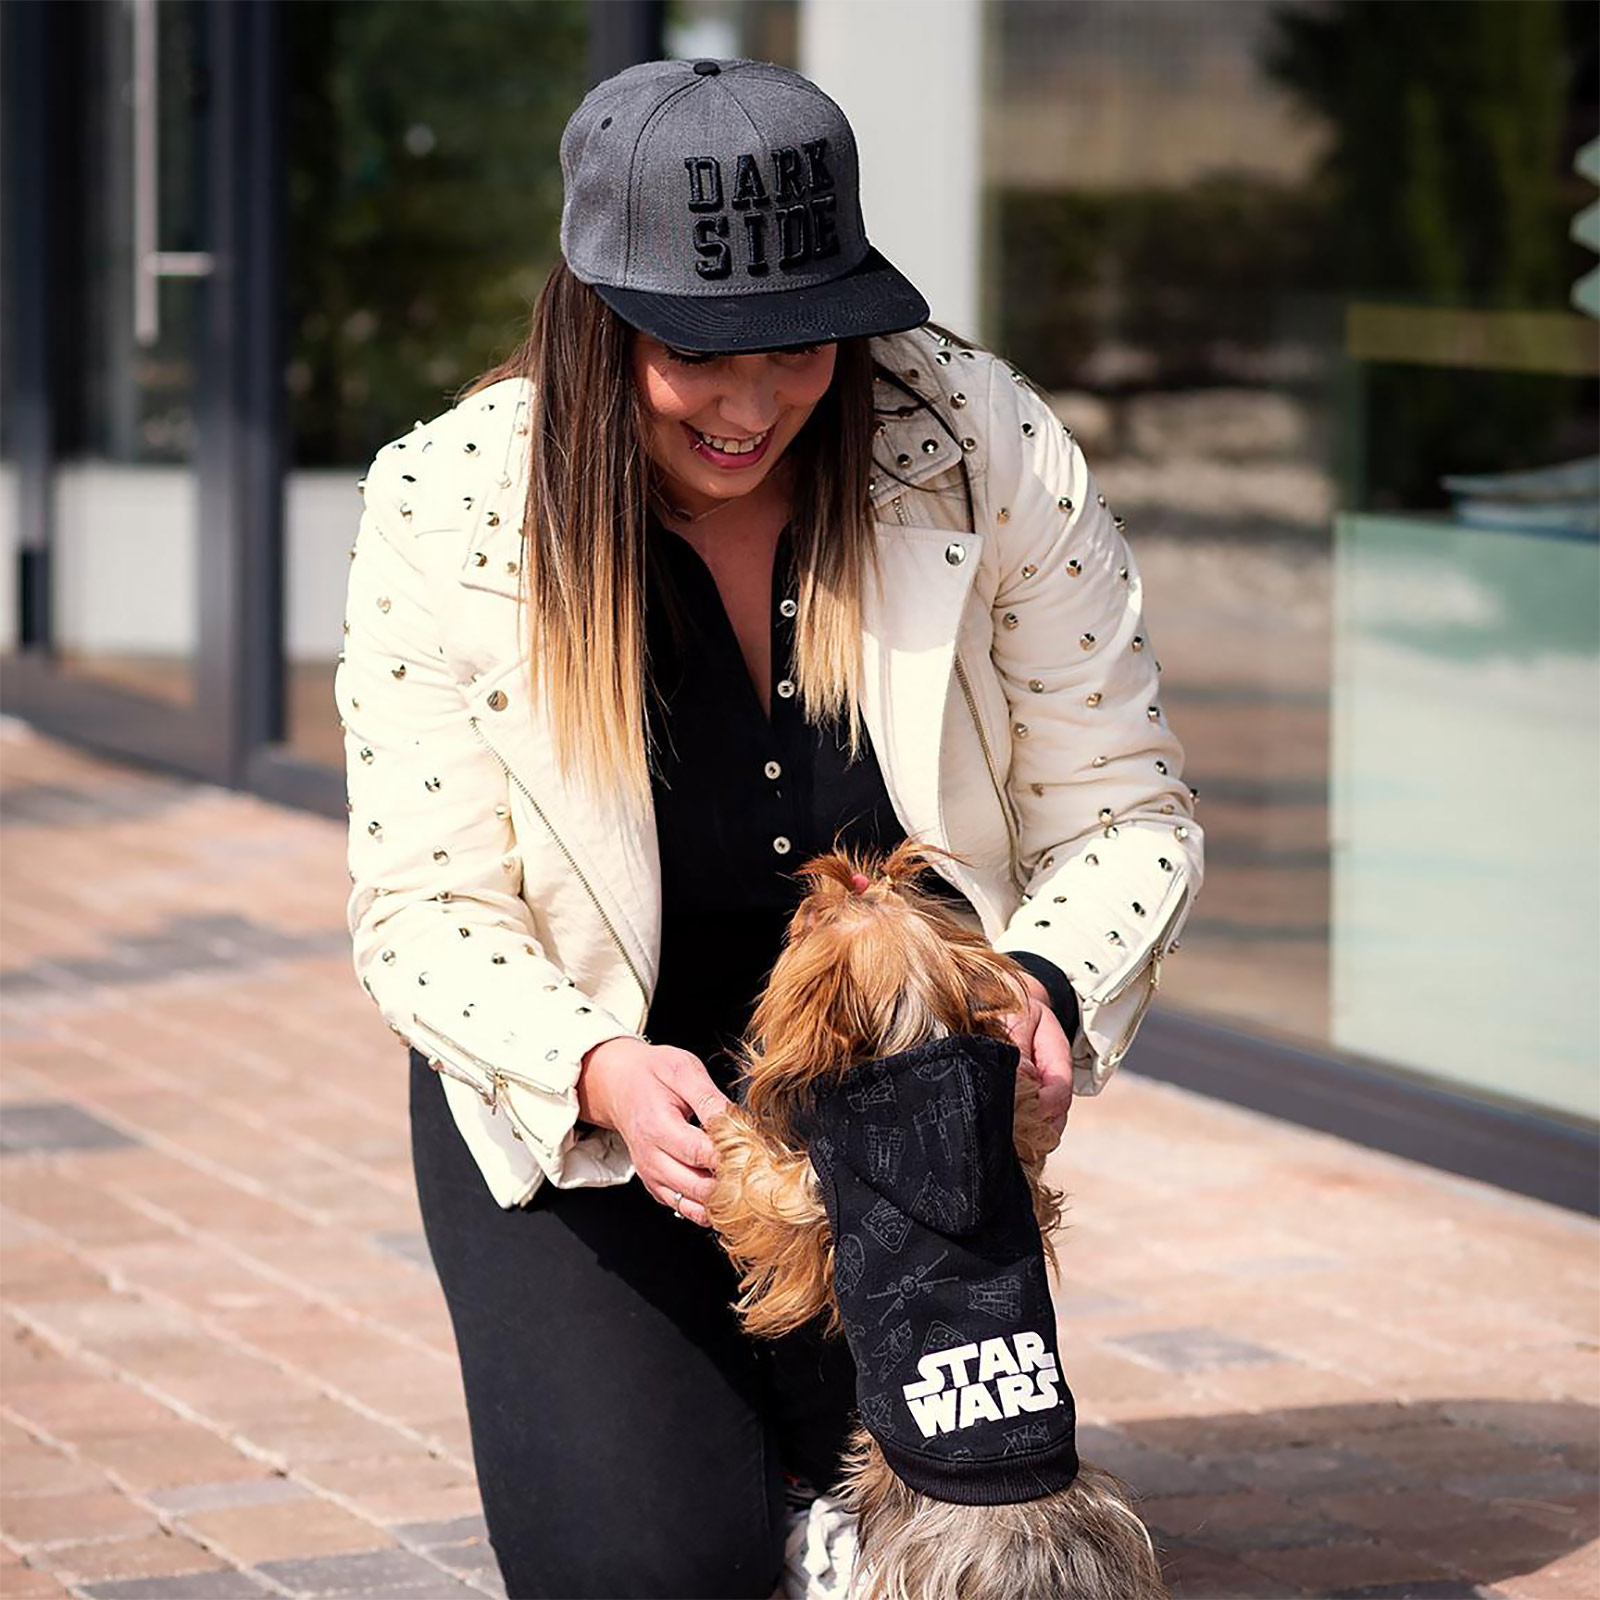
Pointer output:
x,y
885,1170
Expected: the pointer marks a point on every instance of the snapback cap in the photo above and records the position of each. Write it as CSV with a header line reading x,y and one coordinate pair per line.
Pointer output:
x,y
715,206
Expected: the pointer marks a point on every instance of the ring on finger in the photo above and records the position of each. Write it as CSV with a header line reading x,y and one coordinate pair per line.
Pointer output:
x,y
677,1202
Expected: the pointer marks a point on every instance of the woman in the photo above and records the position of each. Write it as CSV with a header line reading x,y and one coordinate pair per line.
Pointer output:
x,y
722,565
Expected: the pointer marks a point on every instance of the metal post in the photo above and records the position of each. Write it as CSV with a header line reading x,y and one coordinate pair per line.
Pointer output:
x,y
623,33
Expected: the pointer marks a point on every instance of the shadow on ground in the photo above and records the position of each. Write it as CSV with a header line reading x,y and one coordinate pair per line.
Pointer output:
x,y
1428,1501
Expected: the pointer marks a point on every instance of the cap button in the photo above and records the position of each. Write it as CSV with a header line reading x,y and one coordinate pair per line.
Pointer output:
x,y
707,69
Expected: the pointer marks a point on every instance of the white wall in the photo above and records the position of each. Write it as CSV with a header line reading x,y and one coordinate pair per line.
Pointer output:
x,y
908,74
126,569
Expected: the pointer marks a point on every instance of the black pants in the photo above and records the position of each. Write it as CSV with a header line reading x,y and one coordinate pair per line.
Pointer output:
x,y
629,1439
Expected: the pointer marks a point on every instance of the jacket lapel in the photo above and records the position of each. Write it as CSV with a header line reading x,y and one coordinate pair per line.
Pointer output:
x,y
911,612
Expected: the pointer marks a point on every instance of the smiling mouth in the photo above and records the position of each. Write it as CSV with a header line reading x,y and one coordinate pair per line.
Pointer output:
x,y
726,451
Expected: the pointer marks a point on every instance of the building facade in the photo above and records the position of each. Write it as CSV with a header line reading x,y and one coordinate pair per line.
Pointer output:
x,y
1313,281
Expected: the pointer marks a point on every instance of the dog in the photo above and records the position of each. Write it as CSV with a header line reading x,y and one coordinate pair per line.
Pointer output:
x,y
883,1170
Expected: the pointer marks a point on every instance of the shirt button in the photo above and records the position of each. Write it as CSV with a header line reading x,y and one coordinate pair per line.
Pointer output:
x,y
773,770
781,845
787,608
785,689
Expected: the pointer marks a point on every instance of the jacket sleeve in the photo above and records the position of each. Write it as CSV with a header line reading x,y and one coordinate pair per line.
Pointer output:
x,y
1110,853
443,940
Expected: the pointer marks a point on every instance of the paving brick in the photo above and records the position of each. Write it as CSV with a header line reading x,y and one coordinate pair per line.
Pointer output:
x,y
160,1556
1192,1349
458,1530
379,1572
1346,1566
253,1534
48,1519
225,1584
52,1125
183,1499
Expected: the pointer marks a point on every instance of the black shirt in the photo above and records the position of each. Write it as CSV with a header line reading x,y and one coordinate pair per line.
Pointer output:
x,y
741,800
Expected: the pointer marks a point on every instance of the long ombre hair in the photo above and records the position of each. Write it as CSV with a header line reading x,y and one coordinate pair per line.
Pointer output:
x,y
586,523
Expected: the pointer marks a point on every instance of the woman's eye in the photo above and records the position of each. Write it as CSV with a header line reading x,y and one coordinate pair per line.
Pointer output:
x,y
689,358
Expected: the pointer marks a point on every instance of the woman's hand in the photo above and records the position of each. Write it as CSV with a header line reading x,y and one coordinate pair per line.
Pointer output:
x,y
653,1095
1046,1053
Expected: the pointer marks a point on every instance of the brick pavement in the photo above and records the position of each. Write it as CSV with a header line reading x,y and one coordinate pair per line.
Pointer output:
x,y
225,1369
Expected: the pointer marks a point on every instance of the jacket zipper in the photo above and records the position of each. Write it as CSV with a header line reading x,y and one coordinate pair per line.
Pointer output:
x,y
1012,844
1151,966
577,871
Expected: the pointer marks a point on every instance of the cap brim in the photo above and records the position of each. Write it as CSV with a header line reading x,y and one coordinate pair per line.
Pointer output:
x,y
872,298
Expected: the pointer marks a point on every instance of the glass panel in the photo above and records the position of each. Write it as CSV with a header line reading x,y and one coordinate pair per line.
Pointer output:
x,y
124,568
424,200
1286,267
757,30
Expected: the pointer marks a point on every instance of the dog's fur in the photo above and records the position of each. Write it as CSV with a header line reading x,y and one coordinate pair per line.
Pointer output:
x,y
872,966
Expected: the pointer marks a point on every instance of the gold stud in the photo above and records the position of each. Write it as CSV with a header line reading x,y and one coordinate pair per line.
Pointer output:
x,y
405,511
1091,860
399,671
1138,910
1138,641
497,959
1101,498
366,754
498,700
1122,572
387,957
1099,761
969,444
955,554
1180,831
1027,430
958,400
1074,568
902,460
1058,900
470,448
1169,808
479,559
431,785
383,602
1114,936
912,375
1043,922
930,447
511,569
1091,967
466,933
375,829
1163,863
422,979
1064,503
493,519
1030,570
1038,789
1106,813
1153,713
1003,514
1037,685
943,358
1020,729
1009,620
1093,699
502,812
1086,641
441,854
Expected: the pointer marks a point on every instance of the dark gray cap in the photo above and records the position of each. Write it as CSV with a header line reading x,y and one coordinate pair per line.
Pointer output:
x,y
715,205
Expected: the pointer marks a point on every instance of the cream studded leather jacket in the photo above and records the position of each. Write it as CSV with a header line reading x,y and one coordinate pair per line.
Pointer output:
x,y
506,920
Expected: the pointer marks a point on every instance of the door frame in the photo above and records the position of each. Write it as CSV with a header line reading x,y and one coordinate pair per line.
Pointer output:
x,y
239,404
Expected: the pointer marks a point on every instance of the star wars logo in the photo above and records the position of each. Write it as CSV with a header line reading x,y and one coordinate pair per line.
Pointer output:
x,y
785,215
972,1383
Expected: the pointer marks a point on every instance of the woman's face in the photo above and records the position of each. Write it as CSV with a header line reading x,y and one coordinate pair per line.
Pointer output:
x,y
716,426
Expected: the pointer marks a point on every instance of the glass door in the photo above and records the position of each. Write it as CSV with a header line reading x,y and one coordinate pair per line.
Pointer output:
x,y
116,319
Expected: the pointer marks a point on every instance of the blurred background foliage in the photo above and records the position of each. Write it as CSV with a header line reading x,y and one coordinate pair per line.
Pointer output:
x,y
424,196
1446,180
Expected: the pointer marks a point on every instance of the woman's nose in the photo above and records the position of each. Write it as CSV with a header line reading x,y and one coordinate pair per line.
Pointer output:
x,y
750,401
